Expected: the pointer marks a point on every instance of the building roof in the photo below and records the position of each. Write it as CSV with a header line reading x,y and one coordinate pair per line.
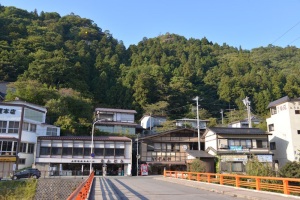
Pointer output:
x,y
236,131
281,101
167,132
86,138
115,110
116,123
199,154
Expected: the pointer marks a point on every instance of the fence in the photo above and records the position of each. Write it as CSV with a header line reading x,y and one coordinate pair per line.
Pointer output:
x,y
289,186
82,192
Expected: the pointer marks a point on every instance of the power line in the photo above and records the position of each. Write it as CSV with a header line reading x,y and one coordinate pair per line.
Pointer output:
x,y
286,32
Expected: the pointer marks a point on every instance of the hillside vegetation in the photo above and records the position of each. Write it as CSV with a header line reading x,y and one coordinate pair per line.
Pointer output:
x,y
70,65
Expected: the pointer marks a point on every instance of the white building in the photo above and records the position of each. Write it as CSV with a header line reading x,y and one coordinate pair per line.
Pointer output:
x,y
186,122
71,155
115,120
151,122
20,125
284,124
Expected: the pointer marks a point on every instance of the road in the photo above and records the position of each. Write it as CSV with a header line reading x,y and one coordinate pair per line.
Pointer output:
x,y
147,187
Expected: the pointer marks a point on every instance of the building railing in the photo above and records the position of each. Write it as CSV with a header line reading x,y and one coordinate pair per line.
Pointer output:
x,y
288,186
83,190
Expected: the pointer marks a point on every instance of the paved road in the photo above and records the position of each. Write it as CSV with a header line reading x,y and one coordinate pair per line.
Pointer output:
x,y
147,187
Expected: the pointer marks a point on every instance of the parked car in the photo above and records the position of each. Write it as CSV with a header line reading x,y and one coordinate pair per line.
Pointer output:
x,y
27,173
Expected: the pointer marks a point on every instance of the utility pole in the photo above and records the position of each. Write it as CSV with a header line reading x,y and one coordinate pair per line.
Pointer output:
x,y
247,104
198,126
222,115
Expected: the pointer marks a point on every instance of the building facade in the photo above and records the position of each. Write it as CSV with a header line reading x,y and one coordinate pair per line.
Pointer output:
x,y
71,155
20,124
235,146
168,149
284,124
116,120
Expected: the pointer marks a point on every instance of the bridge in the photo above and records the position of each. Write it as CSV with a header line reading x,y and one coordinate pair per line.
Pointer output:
x,y
179,185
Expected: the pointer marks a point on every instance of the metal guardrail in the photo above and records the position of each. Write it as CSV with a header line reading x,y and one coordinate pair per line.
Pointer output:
x,y
83,190
288,186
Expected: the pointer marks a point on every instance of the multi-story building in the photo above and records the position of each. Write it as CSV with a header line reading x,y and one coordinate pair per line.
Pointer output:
x,y
171,150
234,146
191,123
20,124
115,120
284,124
71,155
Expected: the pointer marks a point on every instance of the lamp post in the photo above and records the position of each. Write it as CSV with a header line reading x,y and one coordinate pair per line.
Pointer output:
x,y
92,143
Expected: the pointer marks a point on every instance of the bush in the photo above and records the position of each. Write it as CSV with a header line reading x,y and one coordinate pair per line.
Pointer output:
x,y
197,166
256,168
290,170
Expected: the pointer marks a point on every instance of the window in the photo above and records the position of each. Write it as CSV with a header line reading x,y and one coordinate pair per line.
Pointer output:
x,y
45,151
3,126
271,127
22,161
98,151
272,145
77,151
23,147
30,148
87,151
109,152
33,128
157,146
237,167
119,152
51,131
56,151
262,143
150,147
67,151
25,126
297,112
13,127
6,146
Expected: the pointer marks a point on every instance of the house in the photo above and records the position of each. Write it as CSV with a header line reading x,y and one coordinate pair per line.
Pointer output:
x,y
171,150
71,155
284,124
20,125
244,123
150,122
192,123
112,120
235,146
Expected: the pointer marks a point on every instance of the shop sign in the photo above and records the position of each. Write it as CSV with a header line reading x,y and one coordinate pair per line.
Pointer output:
x,y
264,158
81,161
234,158
8,159
7,111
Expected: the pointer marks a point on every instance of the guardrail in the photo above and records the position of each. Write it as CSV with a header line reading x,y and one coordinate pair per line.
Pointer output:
x,y
288,186
83,190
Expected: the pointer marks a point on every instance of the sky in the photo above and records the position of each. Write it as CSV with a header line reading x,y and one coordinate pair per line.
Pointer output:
x,y
239,23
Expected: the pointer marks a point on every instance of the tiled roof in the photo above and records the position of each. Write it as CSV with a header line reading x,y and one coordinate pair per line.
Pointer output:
x,y
88,138
247,131
176,130
115,110
199,154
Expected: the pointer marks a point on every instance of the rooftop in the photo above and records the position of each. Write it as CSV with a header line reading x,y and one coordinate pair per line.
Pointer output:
x,y
86,138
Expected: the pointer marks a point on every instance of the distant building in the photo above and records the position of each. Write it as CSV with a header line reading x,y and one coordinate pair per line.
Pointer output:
x,y
116,120
192,123
20,125
284,124
3,90
151,122
244,123
235,146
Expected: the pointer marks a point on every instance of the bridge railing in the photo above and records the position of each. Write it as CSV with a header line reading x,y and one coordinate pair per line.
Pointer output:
x,y
83,190
289,186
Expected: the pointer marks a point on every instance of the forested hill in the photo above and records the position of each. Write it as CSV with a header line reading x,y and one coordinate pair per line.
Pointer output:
x,y
58,60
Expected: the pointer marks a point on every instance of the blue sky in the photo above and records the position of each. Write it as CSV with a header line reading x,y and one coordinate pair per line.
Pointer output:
x,y
246,23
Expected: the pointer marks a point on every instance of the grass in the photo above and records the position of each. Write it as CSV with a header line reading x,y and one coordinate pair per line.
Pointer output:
x,y
23,189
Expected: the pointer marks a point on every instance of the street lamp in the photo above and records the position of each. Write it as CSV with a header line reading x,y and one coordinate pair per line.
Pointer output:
x,y
92,143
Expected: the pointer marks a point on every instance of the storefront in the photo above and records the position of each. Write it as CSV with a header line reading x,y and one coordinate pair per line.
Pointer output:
x,y
70,155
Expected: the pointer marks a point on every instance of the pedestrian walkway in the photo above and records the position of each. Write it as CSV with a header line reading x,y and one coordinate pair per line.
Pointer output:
x,y
228,190
101,189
